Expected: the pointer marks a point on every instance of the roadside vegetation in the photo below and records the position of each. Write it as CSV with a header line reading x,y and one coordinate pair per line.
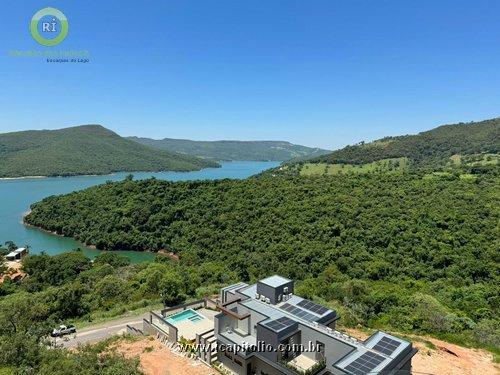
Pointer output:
x,y
23,353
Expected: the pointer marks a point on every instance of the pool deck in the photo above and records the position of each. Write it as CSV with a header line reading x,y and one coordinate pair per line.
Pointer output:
x,y
189,329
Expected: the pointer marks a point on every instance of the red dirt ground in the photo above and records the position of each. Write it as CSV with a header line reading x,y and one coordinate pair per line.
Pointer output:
x,y
157,359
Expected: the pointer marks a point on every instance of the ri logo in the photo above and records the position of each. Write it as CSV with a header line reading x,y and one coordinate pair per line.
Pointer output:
x,y
49,26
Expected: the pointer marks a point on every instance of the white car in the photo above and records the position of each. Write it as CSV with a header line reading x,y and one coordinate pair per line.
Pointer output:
x,y
63,330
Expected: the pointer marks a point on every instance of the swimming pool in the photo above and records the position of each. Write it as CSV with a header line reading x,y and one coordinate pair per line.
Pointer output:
x,y
189,315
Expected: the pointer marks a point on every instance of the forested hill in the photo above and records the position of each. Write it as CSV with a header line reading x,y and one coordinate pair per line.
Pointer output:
x,y
87,149
410,251
234,150
431,148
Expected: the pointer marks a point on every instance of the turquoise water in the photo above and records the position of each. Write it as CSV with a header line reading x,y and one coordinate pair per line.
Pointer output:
x,y
189,314
16,196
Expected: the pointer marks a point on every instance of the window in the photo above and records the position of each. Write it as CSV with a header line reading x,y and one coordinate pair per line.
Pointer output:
x,y
285,290
238,362
320,351
279,297
227,355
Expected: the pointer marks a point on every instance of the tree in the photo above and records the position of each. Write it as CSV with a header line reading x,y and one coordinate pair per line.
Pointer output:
x,y
23,312
11,246
3,266
112,259
171,287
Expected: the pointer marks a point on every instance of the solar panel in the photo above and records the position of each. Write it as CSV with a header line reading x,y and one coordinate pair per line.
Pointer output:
x,y
286,321
364,364
280,324
311,306
386,345
299,312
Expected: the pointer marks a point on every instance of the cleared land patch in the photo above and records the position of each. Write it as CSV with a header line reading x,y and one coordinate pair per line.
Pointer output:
x,y
385,165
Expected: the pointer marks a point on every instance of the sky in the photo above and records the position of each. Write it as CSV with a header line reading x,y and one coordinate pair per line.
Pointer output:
x,y
318,73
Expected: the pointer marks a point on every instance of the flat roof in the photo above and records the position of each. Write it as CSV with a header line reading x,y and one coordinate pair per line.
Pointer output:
x,y
234,287
301,305
275,281
373,354
17,251
249,290
278,325
389,345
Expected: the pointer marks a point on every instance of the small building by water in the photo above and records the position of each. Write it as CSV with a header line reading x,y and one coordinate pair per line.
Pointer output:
x,y
17,254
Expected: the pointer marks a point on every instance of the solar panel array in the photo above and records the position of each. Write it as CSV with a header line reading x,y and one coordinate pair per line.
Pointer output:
x,y
299,312
386,345
311,306
280,324
364,364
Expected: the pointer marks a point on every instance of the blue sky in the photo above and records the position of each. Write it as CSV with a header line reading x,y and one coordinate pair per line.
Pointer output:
x,y
319,73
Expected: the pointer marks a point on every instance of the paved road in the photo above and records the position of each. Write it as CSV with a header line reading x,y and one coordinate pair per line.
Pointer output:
x,y
101,331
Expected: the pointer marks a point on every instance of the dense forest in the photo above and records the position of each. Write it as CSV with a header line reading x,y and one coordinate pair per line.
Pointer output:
x,y
413,251
70,288
433,147
234,150
80,150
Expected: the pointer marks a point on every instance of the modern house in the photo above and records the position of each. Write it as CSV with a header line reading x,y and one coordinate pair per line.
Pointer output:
x,y
265,329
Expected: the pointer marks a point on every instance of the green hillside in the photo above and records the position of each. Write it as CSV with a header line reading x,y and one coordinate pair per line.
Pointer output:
x,y
234,150
87,149
437,147
407,251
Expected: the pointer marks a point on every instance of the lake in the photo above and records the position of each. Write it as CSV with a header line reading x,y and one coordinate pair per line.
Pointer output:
x,y
17,195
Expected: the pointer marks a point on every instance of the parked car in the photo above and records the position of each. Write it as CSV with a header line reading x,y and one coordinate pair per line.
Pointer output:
x,y
63,330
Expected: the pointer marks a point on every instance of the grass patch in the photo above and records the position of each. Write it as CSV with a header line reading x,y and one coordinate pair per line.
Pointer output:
x,y
7,370
134,309
468,177
475,159
385,165
435,175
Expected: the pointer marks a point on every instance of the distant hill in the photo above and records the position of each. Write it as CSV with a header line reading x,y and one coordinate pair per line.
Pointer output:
x,y
234,150
87,149
475,143
430,146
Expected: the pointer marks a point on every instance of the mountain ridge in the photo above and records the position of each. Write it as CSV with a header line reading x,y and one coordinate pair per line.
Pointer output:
x,y
233,149
81,150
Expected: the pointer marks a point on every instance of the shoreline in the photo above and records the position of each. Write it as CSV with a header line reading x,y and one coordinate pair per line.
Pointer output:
x,y
93,247
105,174
21,177
38,177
